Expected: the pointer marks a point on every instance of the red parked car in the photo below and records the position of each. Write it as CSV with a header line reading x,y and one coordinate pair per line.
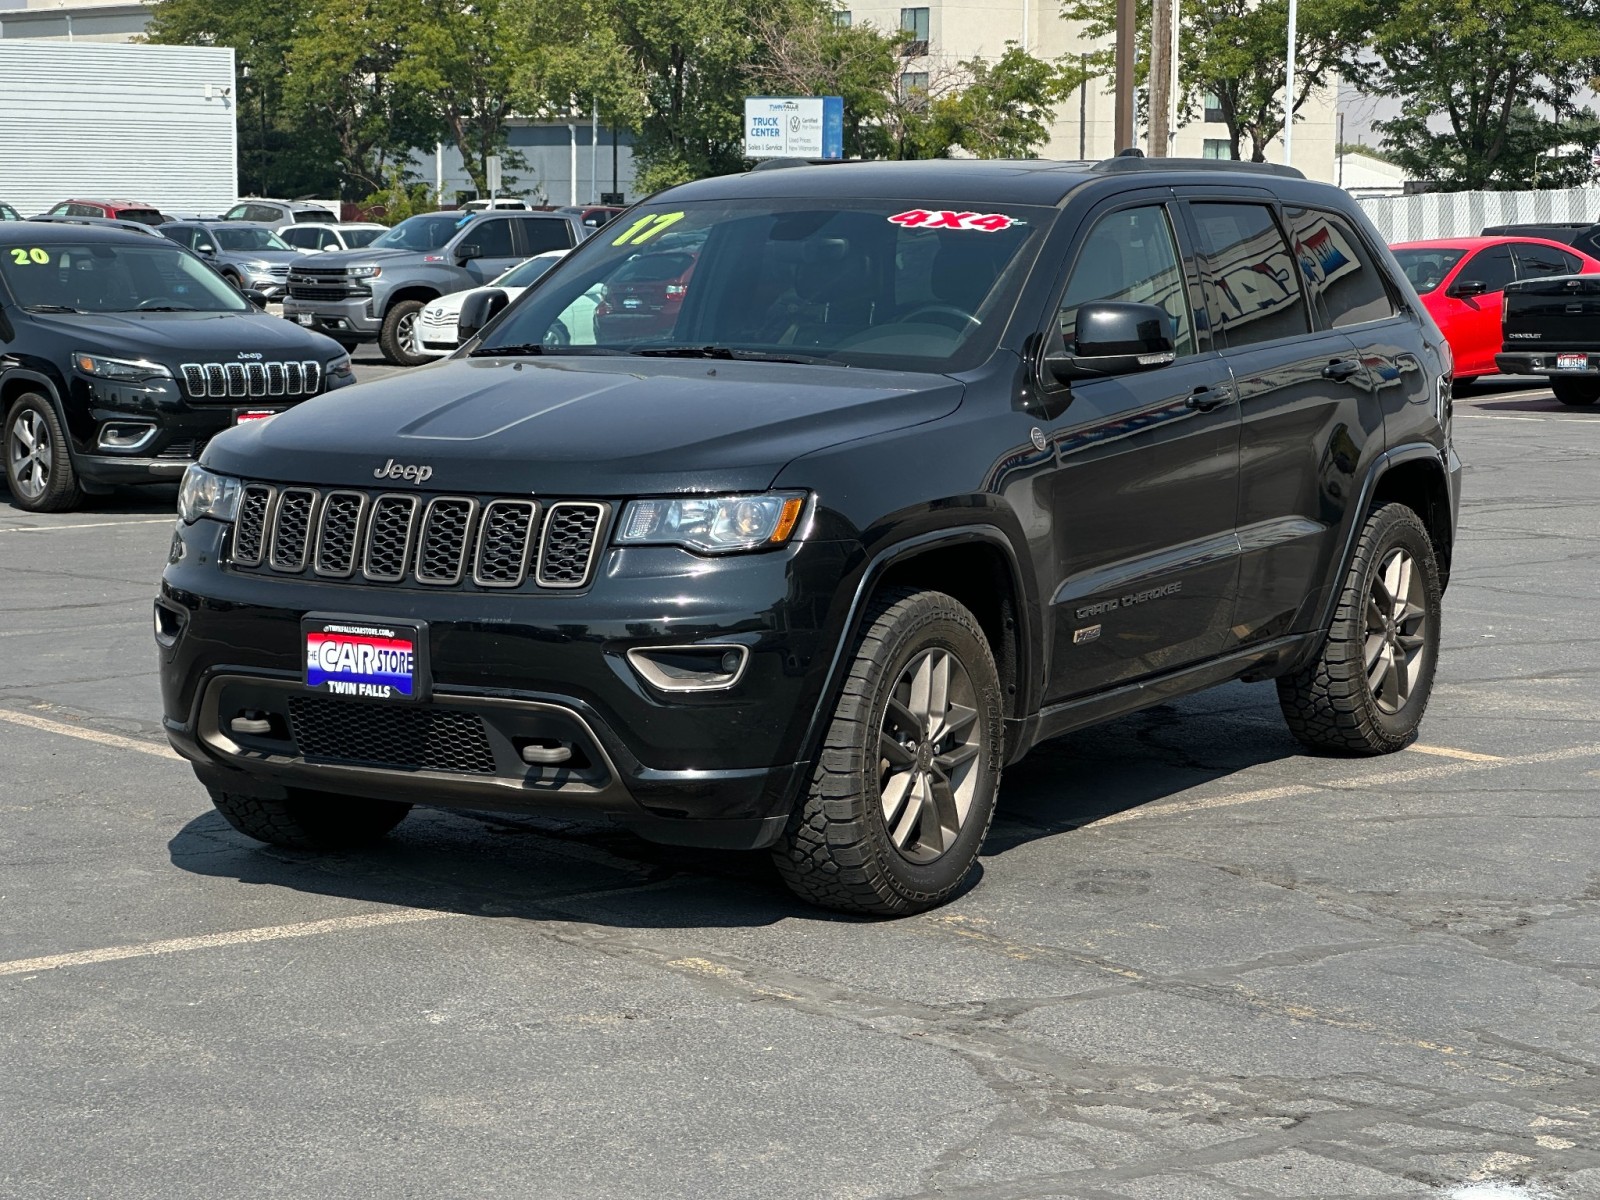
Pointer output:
x,y
643,298
121,210
1462,283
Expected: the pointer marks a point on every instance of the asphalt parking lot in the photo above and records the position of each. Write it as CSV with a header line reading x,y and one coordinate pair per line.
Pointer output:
x,y
1199,962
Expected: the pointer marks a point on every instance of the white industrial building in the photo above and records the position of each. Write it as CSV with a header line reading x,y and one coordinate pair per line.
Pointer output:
x,y
100,120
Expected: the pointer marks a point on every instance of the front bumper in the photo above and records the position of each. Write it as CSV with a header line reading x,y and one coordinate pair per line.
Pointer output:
x,y
713,769
350,320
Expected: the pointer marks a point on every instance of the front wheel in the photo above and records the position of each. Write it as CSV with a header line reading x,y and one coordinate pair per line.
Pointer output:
x,y
399,338
39,468
1580,393
310,820
902,793
1366,691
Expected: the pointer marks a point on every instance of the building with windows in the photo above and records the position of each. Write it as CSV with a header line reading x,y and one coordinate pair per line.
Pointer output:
x,y
948,32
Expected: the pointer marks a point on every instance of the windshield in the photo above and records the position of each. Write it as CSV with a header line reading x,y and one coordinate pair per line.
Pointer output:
x,y
357,238
896,284
256,238
1426,269
525,273
421,233
113,277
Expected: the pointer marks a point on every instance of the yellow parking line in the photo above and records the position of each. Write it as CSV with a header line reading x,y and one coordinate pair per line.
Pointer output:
x,y
83,733
1452,752
90,525
1189,806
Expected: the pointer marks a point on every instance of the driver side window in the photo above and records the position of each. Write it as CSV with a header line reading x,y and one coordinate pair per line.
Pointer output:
x,y
1130,255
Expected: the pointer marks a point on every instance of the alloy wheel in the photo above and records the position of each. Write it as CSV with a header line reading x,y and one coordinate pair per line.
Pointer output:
x,y
31,453
929,751
1396,645
409,333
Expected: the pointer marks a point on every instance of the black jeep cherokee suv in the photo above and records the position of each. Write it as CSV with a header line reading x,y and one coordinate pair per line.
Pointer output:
x,y
930,462
121,355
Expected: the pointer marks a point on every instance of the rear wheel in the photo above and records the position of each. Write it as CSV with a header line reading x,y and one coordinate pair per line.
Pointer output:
x,y
901,796
310,820
1579,393
1366,691
398,339
39,468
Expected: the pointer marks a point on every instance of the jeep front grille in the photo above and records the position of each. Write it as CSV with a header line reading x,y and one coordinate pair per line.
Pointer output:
x,y
404,539
251,380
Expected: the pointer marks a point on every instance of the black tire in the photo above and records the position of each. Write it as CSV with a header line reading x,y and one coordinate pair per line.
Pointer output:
x,y
838,849
310,820
395,339
1333,704
1580,393
38,457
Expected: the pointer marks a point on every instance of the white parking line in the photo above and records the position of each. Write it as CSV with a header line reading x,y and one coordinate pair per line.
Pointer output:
x,y
236,937
84,733
88,525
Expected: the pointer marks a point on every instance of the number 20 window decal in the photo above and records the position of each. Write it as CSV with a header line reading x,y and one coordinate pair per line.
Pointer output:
x,y
924,218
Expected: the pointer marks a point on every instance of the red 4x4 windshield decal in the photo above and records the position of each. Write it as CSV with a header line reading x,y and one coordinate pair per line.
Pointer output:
x,y
924,218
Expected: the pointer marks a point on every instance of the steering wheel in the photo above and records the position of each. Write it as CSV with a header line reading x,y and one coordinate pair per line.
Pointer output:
x,y
163,302
962,318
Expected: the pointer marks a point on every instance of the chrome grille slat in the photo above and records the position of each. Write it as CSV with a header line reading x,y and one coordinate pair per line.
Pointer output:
x,y
505,536
353,534
339,534
388,544
250,380
446,537
569,542
291,529
250,528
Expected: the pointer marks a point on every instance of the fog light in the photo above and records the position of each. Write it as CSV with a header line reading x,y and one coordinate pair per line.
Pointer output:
x,y
690,668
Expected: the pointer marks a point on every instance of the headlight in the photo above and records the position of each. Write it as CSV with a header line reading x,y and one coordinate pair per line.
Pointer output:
x,y
204,494
712,523
363,272
120,369
339,371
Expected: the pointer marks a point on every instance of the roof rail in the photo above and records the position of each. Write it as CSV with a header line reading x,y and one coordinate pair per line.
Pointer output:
x,y
774,164
1127,165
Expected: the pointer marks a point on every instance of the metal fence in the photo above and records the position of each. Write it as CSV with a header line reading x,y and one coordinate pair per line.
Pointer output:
x,y
1465,214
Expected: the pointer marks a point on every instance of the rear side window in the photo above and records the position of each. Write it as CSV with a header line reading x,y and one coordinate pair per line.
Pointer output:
x,y
492,238
1129,255
1346,285
1537,262
546,233
1492,267
1250,279
304,239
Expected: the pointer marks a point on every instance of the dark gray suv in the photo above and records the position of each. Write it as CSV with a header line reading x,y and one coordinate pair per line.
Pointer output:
x,y
375,294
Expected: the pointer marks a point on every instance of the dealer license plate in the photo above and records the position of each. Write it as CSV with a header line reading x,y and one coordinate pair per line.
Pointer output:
x,y
365,658
1572,362
241,415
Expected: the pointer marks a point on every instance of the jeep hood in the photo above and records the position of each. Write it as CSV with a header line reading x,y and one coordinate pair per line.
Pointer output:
x,y
575,426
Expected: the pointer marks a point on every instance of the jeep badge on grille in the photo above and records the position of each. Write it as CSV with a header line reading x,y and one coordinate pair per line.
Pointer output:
x,y
411,474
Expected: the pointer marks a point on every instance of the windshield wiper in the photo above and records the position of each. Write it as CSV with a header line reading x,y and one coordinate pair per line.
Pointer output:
x,y
51,308
535,348
730,352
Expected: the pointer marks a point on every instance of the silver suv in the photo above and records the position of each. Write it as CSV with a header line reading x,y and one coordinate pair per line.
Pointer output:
x,y
375,294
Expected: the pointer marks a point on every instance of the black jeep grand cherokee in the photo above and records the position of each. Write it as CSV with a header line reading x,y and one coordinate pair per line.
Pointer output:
x,y
121,355
924,463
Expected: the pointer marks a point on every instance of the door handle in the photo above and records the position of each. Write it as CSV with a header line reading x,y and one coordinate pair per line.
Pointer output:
x,y
1341,369
1204,399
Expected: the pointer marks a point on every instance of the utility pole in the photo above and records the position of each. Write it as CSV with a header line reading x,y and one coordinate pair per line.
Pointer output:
x,y
1160,78
1083,109
1127,21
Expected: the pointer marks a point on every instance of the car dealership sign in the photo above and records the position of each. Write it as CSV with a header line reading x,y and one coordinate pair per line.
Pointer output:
x,y
793,127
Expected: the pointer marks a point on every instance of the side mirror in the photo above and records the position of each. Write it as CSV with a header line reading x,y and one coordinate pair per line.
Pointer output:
x,y
1115,338
259,299
468,252
205,248
1461,289
478,310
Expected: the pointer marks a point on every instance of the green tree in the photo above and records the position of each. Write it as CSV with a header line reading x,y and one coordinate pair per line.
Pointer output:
x,y
1489,89
1237,51
341,63
816,56
1005,108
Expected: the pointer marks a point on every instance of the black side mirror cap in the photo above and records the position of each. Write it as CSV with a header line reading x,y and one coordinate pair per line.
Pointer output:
x,y
1461,289
468,252
1115,337
478,310
259,299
